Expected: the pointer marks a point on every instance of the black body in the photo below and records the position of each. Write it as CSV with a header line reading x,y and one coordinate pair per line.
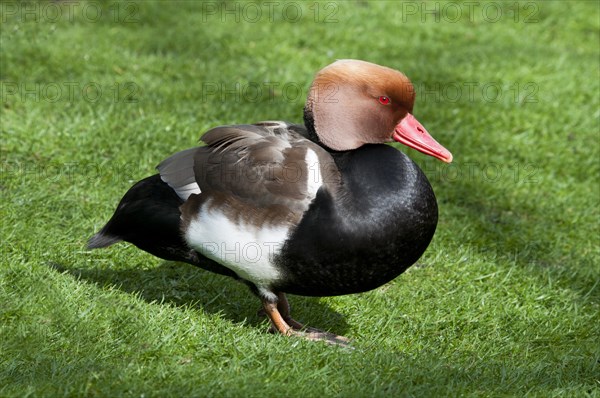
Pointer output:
x,y
379,224
383,223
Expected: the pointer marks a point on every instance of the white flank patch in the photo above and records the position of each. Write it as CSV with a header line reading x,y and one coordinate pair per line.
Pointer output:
x,y
245,249
314,178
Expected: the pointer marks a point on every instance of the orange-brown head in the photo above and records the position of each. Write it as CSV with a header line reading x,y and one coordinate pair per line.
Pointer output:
x,y
354,102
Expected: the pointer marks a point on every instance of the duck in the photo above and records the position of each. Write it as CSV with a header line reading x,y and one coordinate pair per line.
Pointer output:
x,y
323,208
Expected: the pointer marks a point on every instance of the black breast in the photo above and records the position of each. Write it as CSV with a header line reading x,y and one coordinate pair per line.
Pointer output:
x,y
376,226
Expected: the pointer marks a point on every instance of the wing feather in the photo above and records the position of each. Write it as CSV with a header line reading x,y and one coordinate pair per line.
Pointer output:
x,y
178,172
261,165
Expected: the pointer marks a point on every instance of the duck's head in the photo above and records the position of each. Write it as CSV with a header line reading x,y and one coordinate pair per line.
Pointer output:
x,y
352,103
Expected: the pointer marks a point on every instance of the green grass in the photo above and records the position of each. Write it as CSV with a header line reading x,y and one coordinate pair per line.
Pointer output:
x,y
505,302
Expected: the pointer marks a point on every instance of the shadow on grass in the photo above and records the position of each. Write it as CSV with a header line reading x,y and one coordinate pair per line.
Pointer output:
x,y
179,284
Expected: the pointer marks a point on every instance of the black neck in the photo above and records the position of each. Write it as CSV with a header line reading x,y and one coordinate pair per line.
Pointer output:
x,y
309,122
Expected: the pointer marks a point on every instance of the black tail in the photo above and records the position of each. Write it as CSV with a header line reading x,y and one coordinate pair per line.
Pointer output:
x,y
102,239
147,216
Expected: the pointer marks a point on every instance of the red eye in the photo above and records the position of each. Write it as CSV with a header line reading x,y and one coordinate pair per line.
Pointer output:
x,y
384,100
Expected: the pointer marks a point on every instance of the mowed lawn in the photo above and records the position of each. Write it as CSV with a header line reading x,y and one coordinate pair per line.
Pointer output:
x,y
505,302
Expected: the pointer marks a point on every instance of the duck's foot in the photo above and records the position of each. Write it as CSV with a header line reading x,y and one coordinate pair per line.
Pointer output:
x,y
283,323
316,335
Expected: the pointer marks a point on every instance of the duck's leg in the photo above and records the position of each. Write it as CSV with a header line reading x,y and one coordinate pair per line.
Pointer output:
x,y
284,309
282,322
278,324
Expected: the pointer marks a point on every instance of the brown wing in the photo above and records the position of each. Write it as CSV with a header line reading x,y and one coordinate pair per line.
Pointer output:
x,y
262,165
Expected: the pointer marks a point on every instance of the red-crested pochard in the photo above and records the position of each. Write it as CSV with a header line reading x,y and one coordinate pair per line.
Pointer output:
x,y
320,209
